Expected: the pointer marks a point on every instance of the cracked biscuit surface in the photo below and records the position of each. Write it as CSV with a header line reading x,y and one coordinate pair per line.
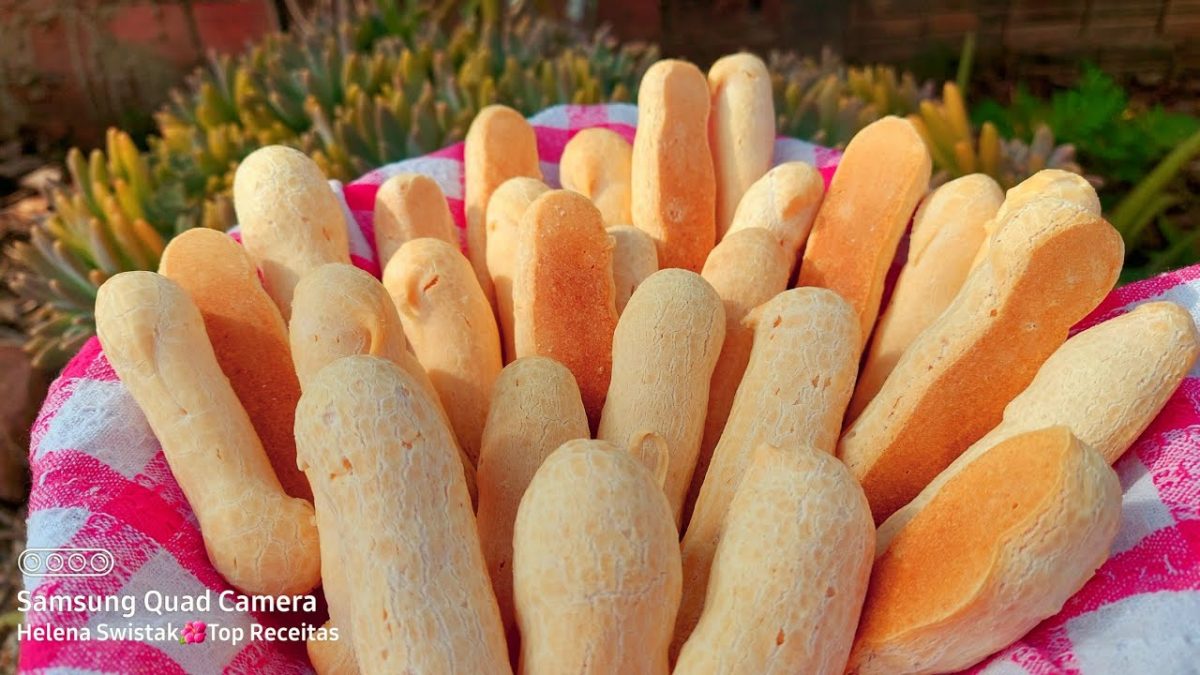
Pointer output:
x,y
595,565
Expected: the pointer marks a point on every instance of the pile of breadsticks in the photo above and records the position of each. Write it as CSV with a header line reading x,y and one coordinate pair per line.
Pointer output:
x,y
635,429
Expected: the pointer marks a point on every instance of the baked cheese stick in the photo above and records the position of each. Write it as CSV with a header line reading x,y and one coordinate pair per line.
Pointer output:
x,y
1050,264
747,268
535,409
664,349
790,574
634,259
597,163
785,202
340,311
504,212
248,337
674,187
563,294
947,231
452,331
883,174
500,145
291,220
410,206
261,540
741,129
998,548
1106,384
795,389
595,565
380,457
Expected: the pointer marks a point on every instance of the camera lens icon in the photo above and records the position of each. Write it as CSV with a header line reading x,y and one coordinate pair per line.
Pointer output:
x,y
65,562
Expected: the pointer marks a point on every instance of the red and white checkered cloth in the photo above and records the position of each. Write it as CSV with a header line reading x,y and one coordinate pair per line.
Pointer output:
x,y
100,481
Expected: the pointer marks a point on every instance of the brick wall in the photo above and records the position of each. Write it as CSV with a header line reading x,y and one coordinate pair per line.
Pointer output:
x,y
77,66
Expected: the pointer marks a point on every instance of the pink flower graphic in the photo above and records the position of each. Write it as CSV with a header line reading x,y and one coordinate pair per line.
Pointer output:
x,y
194,632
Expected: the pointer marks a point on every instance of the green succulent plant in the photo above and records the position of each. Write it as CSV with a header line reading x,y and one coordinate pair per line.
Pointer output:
x,y
115,217
826,101
957,150
386,83
380,120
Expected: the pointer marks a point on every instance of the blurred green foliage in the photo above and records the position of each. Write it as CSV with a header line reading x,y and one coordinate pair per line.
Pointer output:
x,y
1113,139
1141,156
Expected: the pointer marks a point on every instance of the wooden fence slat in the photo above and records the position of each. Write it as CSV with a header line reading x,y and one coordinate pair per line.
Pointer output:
x,y
1182,20
1050,36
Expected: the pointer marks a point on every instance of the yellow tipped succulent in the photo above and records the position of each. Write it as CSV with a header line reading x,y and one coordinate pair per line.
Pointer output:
x,y
385,84
956,151
409,114
827,102
101,227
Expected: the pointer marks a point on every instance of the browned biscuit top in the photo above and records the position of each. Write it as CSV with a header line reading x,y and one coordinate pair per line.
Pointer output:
x,y
941,560
563,291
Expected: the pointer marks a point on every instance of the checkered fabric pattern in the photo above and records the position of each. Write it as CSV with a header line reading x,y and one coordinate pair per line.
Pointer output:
x,y
100,480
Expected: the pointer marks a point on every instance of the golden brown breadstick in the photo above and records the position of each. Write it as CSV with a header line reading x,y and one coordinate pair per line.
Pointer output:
x,y
634,259
747,268
791,572
1065,185
674,186
339,311
595,565
535,408
1050,263
248,337
878,183
1109,382
664,350
381,459
947,231
500,145
796,386
504,211
1106,384
1000,547
452,330
596,163
291,220
563,291
410,206
785,202
260,539
741,129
